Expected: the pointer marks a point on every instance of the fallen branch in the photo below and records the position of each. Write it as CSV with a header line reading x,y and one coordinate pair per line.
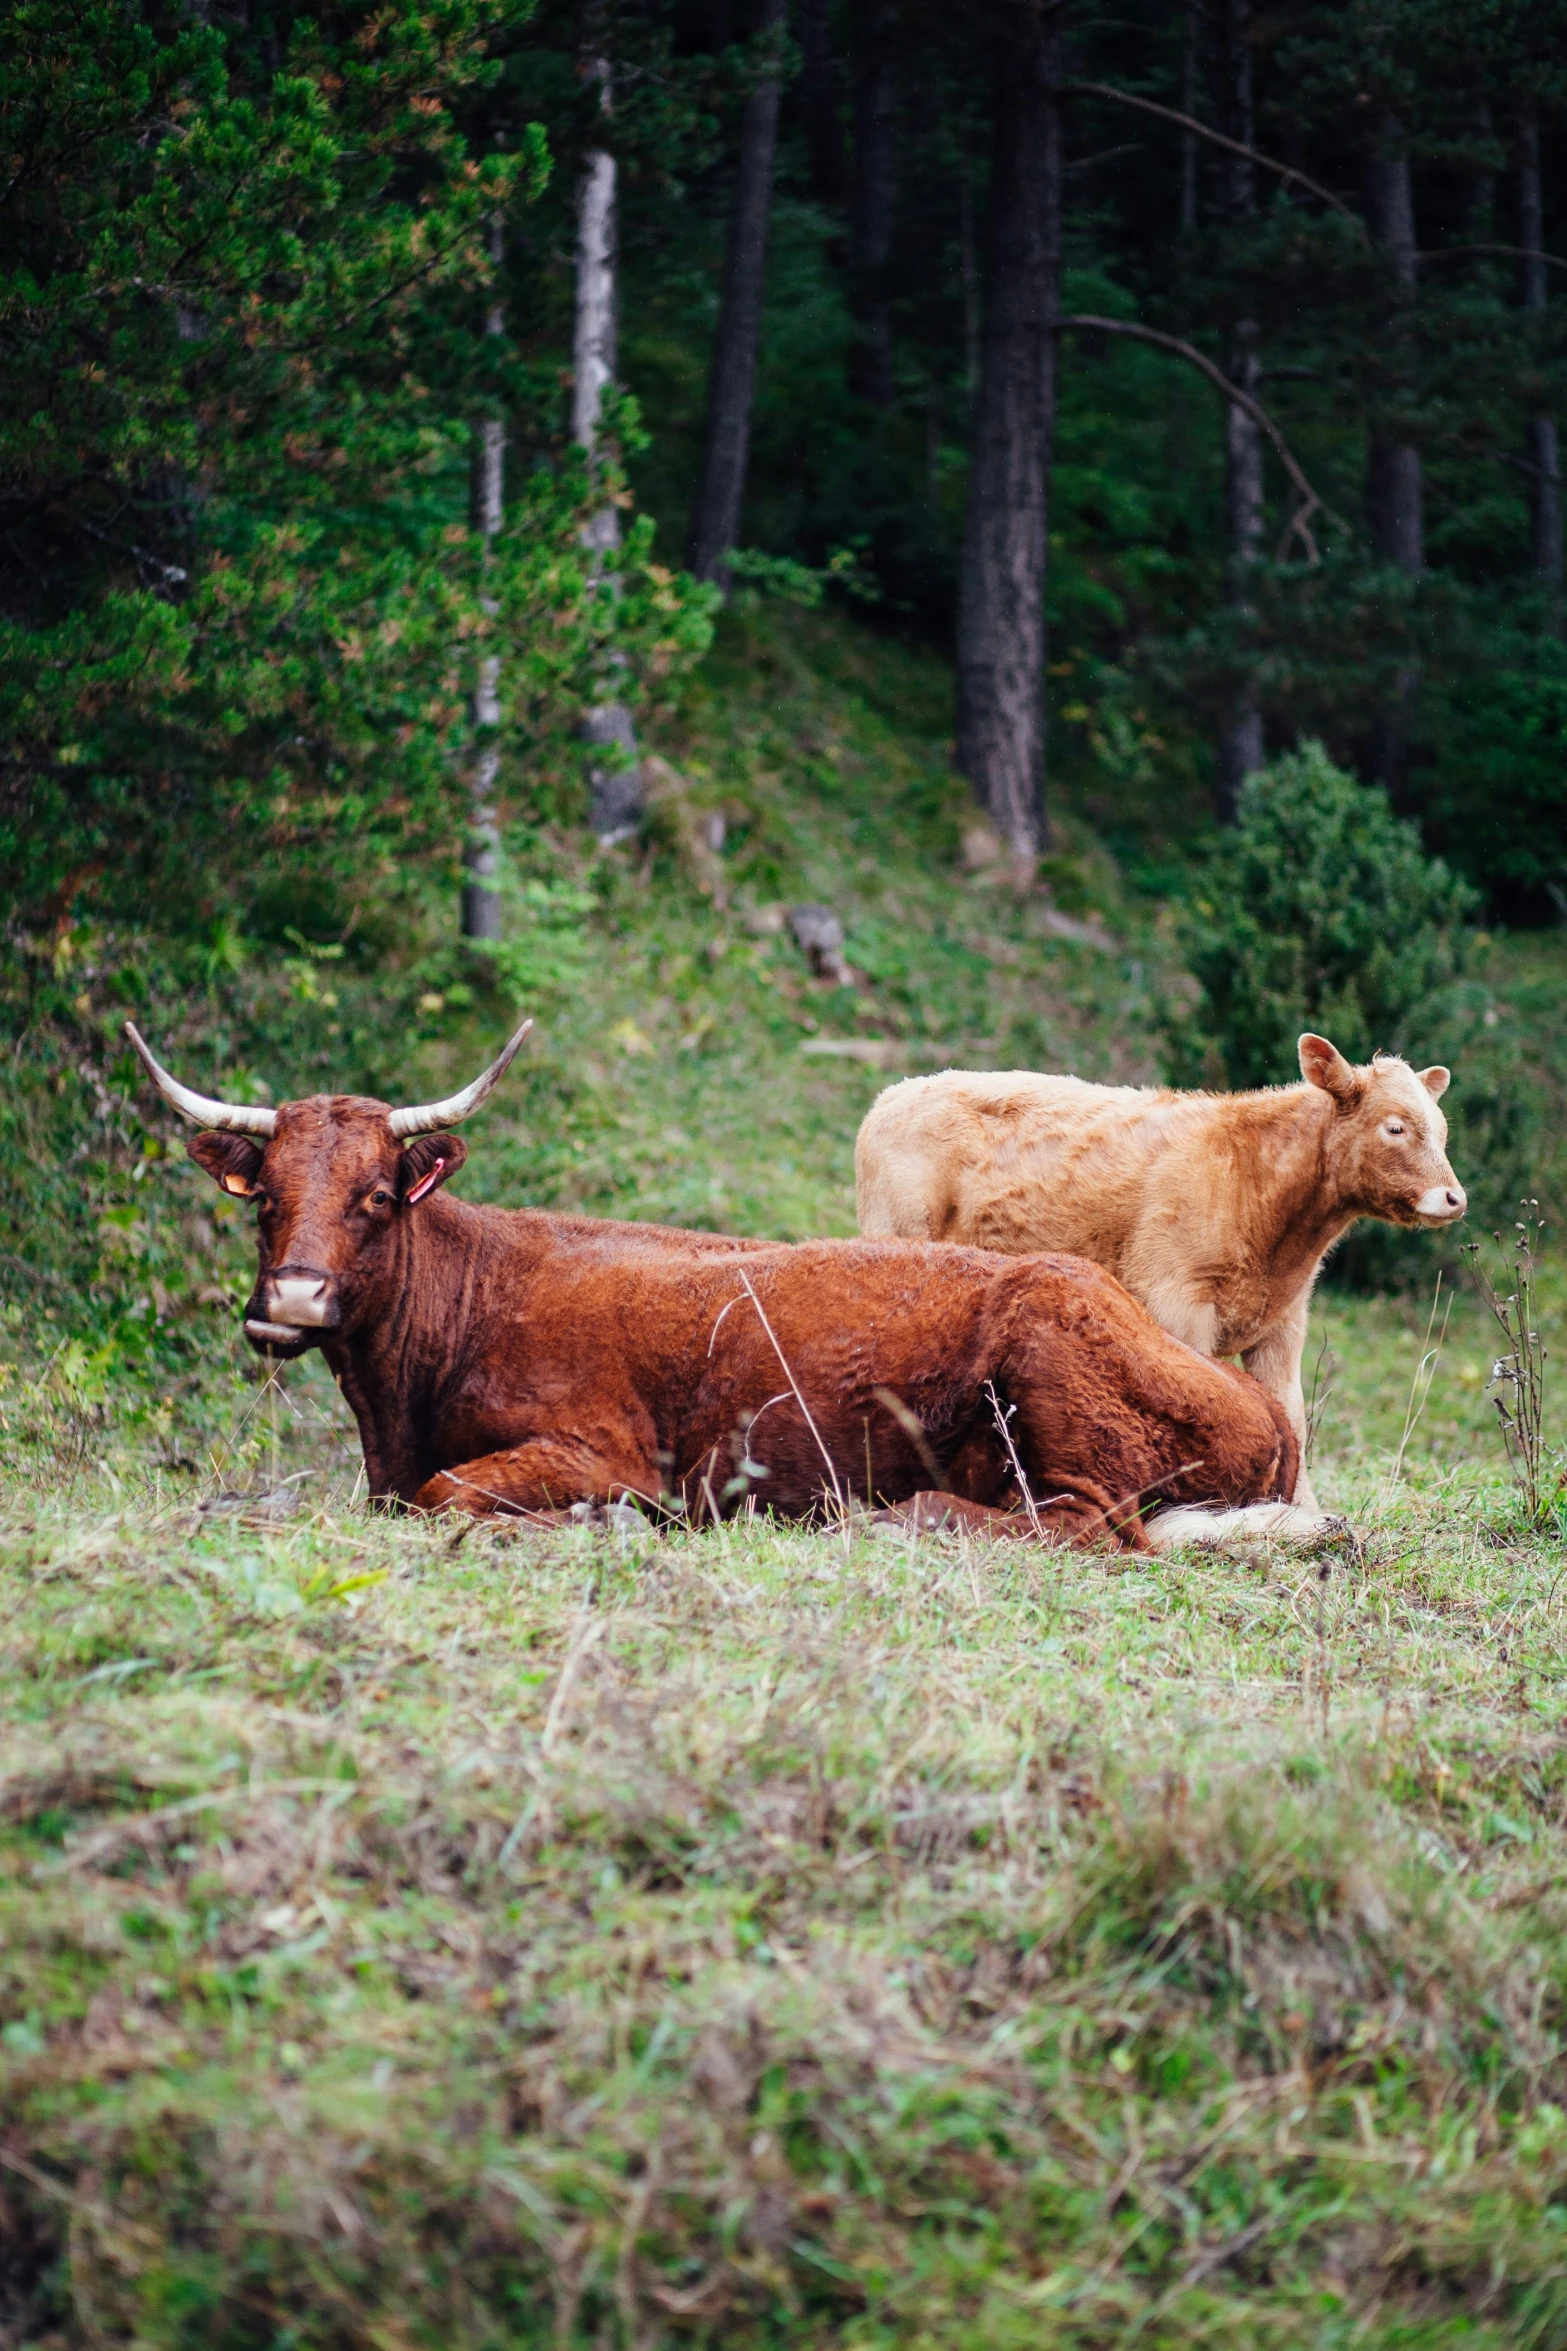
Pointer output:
x,y
1300,521
1189,122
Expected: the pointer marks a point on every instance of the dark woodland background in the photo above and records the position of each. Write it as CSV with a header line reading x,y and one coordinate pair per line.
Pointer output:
x,y
267,277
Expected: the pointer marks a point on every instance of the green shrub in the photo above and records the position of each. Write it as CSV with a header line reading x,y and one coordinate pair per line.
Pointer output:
x,y
1321,910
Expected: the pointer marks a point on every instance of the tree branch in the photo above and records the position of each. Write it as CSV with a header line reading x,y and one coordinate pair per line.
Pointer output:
x,y
1189,122
1518,253
173,575
1299,524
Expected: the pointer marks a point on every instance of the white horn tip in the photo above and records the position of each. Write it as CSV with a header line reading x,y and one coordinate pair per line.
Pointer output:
x,y
423,1118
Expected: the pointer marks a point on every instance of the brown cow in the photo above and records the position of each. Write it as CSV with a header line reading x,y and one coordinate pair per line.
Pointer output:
x,y
1215,1210
515,1362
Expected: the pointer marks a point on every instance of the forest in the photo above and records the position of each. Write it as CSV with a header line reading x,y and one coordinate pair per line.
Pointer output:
x,y
796,544
1188,379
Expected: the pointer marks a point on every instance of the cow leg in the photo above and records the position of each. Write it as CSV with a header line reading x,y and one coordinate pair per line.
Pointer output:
x,y
1178,1310
1064,1518
936,1513
541,1475
1274,1362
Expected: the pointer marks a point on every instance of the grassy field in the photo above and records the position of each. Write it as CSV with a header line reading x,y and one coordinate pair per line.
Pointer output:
x,y
416,1936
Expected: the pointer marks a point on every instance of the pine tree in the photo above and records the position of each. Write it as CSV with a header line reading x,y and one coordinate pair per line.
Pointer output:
x,y
726,439
243,315
1001,604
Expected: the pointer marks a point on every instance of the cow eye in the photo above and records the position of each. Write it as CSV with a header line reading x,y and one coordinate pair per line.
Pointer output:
x,y
1394,1126
380,1197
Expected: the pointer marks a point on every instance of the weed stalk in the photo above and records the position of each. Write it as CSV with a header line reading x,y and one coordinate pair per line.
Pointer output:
x,y
1517,1383
1003,1418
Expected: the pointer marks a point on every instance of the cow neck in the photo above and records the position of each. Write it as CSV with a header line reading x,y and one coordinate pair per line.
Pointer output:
x,y
395,1371
1296,1210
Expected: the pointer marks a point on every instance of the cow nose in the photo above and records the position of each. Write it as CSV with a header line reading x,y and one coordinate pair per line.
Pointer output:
x,y
1442,1203
301,1301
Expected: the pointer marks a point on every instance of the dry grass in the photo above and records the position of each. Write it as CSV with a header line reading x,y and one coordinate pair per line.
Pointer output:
x,y
421,1939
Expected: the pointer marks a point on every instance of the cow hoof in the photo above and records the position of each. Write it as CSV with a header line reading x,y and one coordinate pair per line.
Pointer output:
x,y
1258,1522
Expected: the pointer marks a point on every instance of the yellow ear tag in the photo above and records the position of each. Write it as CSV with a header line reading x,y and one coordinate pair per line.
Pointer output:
x,y
237,1184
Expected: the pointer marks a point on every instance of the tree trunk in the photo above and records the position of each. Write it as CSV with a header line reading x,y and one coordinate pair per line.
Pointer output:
x,y
968,263
1241,746
1393,483
1544,455
1180,390
819,88
615,785
1394,488
870,220
1001,595
1481,223
715,526
481,898
1189,138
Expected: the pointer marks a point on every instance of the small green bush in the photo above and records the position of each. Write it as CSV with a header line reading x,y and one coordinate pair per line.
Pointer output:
x,y
1320,910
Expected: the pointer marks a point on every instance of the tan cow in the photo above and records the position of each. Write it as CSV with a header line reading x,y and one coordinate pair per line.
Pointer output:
x,y
1215,1210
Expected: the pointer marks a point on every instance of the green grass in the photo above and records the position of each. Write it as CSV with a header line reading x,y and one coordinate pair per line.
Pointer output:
x,y
416,1936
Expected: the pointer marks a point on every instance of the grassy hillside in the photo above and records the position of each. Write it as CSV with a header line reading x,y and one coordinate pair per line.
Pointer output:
x,y
676,1071
424,1937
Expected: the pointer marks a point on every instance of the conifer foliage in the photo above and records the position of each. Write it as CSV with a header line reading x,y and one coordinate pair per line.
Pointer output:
x,y
1321,911
241,345
1204,360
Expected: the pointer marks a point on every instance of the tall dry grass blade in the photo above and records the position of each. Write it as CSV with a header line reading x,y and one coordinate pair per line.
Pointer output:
x,y
794,1388
914,1429
1420,1385
589,1628
1002,1420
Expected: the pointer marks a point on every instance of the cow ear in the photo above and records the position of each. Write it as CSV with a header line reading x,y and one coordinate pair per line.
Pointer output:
x,y
1435,1080
1322,1064
231,1160
427,1161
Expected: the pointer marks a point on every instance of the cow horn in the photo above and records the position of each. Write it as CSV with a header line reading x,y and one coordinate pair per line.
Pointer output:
x,y
238,1117
425,1117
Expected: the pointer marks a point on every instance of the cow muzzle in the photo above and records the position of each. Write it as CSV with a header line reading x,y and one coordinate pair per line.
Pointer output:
x,y
1442,1204
291,1309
